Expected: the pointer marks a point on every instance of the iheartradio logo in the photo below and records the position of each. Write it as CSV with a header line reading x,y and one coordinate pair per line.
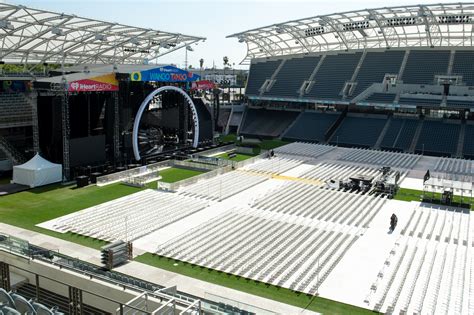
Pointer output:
x,y
75,85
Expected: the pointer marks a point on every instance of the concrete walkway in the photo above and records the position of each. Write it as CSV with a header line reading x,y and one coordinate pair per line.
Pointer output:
x,y
148,273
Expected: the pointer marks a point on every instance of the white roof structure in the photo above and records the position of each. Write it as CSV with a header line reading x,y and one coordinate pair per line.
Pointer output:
x,y
436,25
32,36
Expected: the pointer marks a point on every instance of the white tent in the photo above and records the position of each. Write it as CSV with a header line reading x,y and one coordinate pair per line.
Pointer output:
x,y
37,172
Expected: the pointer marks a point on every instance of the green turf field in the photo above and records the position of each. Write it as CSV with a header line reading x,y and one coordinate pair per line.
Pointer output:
x,y
239,157
405,194
173,174
283,295
228,138
28,208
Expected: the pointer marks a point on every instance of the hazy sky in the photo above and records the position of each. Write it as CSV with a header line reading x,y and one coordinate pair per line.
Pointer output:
x,y
213,19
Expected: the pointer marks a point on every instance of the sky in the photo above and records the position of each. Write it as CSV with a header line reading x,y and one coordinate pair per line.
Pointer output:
x,y
213,19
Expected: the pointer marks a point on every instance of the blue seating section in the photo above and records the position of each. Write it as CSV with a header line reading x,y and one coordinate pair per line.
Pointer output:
x,y
464,66
468,147
461,104
267,123
259,72
423,65
359,131
331,77
437,137
399,134
381,98
375,66
310,126
419,101
292,75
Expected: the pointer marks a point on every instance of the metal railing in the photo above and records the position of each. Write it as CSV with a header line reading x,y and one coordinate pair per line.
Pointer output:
x,y
23,248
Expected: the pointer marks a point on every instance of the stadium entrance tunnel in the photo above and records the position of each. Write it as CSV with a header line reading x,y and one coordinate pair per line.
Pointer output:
x,y
143,107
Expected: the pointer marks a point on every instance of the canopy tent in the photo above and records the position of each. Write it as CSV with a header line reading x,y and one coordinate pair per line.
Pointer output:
x,y
37,172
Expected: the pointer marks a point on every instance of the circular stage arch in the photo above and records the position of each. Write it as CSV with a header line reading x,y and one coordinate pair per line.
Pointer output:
x,y
143,106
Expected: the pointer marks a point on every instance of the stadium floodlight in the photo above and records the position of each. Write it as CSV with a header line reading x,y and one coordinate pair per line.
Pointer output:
x,y
57,31
101,37
6,25
241,39
189,48
135,41
280,29
164,45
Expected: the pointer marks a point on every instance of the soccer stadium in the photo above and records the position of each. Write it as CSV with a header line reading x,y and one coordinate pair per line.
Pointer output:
x,y
335,178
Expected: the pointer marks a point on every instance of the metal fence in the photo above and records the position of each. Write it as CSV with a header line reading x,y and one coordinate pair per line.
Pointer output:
x,y
127,174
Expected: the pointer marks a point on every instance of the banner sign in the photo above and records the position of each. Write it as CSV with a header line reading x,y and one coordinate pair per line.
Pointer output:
x,y
104,83
15,86
203,85
164,74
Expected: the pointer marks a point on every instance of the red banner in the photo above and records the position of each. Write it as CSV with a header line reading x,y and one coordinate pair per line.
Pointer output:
x,y
203,85
105,83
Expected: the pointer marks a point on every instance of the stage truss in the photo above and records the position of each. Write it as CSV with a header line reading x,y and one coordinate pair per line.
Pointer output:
x,y
33,37
437,25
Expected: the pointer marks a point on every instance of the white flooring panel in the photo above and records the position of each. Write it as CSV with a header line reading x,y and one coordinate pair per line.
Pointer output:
x,y
342,247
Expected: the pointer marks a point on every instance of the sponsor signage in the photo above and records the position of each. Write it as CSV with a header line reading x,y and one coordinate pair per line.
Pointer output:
x,y
164,74
203,85
104,83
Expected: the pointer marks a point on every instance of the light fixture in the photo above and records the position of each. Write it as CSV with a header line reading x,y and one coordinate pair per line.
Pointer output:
x,y
57,31
135,41
101,37
189,48
6,25
280,30
241,39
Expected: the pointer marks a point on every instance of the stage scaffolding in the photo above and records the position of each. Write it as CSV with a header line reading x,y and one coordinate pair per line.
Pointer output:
x,y
460,186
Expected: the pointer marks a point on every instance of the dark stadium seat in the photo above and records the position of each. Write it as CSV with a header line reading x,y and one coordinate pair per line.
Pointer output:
x,y
423,65
359,131
381,98
375,66
15,110
399,134
430,102
331,77
464,66
259,72
468,147
224,115
459,104
438,138
267,123
311,126
292,75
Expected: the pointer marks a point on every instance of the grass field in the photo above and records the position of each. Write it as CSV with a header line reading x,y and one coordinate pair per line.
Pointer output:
x,y
28,208
405,194
287,296
173,174
239,157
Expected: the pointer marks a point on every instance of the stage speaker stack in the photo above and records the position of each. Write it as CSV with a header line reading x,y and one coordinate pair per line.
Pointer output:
x,y
82,181
94,177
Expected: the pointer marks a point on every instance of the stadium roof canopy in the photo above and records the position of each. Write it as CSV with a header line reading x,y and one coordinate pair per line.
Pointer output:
x,y
32,36
434,25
